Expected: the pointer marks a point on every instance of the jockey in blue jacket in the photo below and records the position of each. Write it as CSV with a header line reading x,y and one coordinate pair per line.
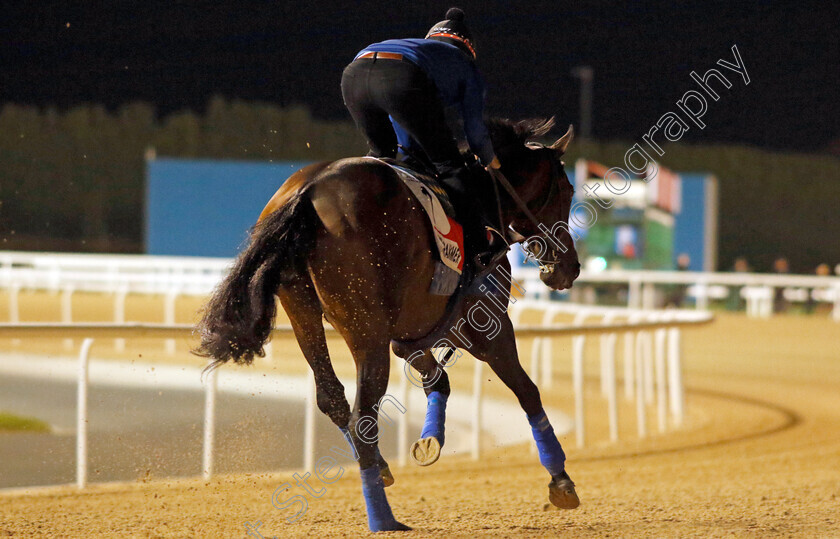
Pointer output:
x,y
398,91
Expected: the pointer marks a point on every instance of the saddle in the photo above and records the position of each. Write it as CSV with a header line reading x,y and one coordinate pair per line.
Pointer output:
x,y
446,230
452,276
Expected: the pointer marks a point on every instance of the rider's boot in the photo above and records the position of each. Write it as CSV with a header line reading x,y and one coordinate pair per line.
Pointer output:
x,y
471,210
415,162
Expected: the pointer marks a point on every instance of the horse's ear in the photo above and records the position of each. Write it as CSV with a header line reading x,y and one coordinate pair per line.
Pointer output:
x,y
563,142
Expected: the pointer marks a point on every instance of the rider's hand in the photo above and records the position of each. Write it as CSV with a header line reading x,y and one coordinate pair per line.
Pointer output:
x,y
494,164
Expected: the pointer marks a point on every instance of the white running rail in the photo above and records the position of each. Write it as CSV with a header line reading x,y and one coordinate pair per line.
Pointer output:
x,y
758,289
639,327
174,276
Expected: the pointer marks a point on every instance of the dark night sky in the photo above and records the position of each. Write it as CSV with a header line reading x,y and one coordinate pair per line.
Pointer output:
x,y
178,54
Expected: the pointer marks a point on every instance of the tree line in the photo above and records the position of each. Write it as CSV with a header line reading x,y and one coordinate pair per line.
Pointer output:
x,y
73,180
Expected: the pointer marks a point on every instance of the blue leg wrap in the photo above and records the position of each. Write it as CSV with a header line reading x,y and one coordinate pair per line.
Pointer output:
x,y
380,517
435,416
551,453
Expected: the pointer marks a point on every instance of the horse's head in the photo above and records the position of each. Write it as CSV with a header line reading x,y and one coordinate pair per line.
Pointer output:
x,y
537,175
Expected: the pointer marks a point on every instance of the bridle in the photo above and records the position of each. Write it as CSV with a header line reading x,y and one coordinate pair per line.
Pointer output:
x,y
545,266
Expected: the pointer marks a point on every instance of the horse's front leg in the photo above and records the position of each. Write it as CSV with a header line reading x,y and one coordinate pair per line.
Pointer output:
x,y
372,367
500,353
435,383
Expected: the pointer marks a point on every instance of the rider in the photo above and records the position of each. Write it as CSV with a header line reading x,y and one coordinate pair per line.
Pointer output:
x,y
397,92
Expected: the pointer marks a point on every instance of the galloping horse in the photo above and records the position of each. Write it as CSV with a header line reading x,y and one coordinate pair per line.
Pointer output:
x,y
347,241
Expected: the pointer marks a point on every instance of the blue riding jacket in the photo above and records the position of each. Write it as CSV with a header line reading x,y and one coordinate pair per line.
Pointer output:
x,y
458,82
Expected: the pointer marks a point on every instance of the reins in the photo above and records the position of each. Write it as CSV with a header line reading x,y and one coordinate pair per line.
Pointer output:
x,y
545,266
500,178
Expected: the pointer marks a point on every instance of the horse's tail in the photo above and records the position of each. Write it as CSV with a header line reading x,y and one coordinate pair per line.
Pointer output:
x,y
238,319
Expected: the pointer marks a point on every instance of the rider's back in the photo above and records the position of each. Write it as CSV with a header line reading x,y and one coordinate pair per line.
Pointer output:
x,y
446,65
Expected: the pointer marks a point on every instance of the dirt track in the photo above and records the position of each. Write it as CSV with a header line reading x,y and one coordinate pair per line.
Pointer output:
x,y
760,456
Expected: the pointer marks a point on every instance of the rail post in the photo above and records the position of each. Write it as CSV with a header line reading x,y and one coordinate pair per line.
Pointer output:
x,y
605,341
67,310
642,350
578,343
675,374
629,365
536,346
660,336
648,367
81,414
210,386
608,359
476,430
547,370
119,314
169,316
702,296
14,305
634,294
309,423
648,296
835,311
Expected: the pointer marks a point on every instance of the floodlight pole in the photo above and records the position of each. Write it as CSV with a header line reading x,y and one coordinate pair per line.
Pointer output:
x,y
585,74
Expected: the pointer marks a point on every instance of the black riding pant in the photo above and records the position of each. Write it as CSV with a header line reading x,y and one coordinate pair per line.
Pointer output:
x,y
373,89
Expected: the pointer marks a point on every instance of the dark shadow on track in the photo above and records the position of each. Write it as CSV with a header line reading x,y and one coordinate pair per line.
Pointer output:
x,y
790,419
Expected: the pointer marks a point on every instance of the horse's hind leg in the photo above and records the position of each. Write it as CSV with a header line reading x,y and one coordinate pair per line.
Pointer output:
x,y
372,370
301,304
304,309
501,355
435,383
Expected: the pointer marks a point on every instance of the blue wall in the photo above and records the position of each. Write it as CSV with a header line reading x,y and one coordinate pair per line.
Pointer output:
x,y
206,207
689,231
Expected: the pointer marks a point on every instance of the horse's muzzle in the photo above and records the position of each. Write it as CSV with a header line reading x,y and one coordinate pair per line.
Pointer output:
x,y
562,277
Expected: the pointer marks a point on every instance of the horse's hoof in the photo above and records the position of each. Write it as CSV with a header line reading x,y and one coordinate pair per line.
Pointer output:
x,y
387,476
391,527
426,451
561,492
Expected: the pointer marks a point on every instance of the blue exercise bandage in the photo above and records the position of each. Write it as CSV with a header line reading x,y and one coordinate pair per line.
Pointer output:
x,y
551,453
380,517
435,416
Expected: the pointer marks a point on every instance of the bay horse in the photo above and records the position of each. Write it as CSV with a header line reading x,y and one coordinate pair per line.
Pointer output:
x,y
347,241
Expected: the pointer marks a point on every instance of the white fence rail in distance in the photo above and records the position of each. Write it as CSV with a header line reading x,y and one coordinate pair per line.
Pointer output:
x,y
642,359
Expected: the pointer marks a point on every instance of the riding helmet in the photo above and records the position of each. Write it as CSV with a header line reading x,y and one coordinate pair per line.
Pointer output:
x,y
453,30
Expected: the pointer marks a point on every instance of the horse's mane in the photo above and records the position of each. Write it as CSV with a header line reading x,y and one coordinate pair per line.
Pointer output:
x,y
509,133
